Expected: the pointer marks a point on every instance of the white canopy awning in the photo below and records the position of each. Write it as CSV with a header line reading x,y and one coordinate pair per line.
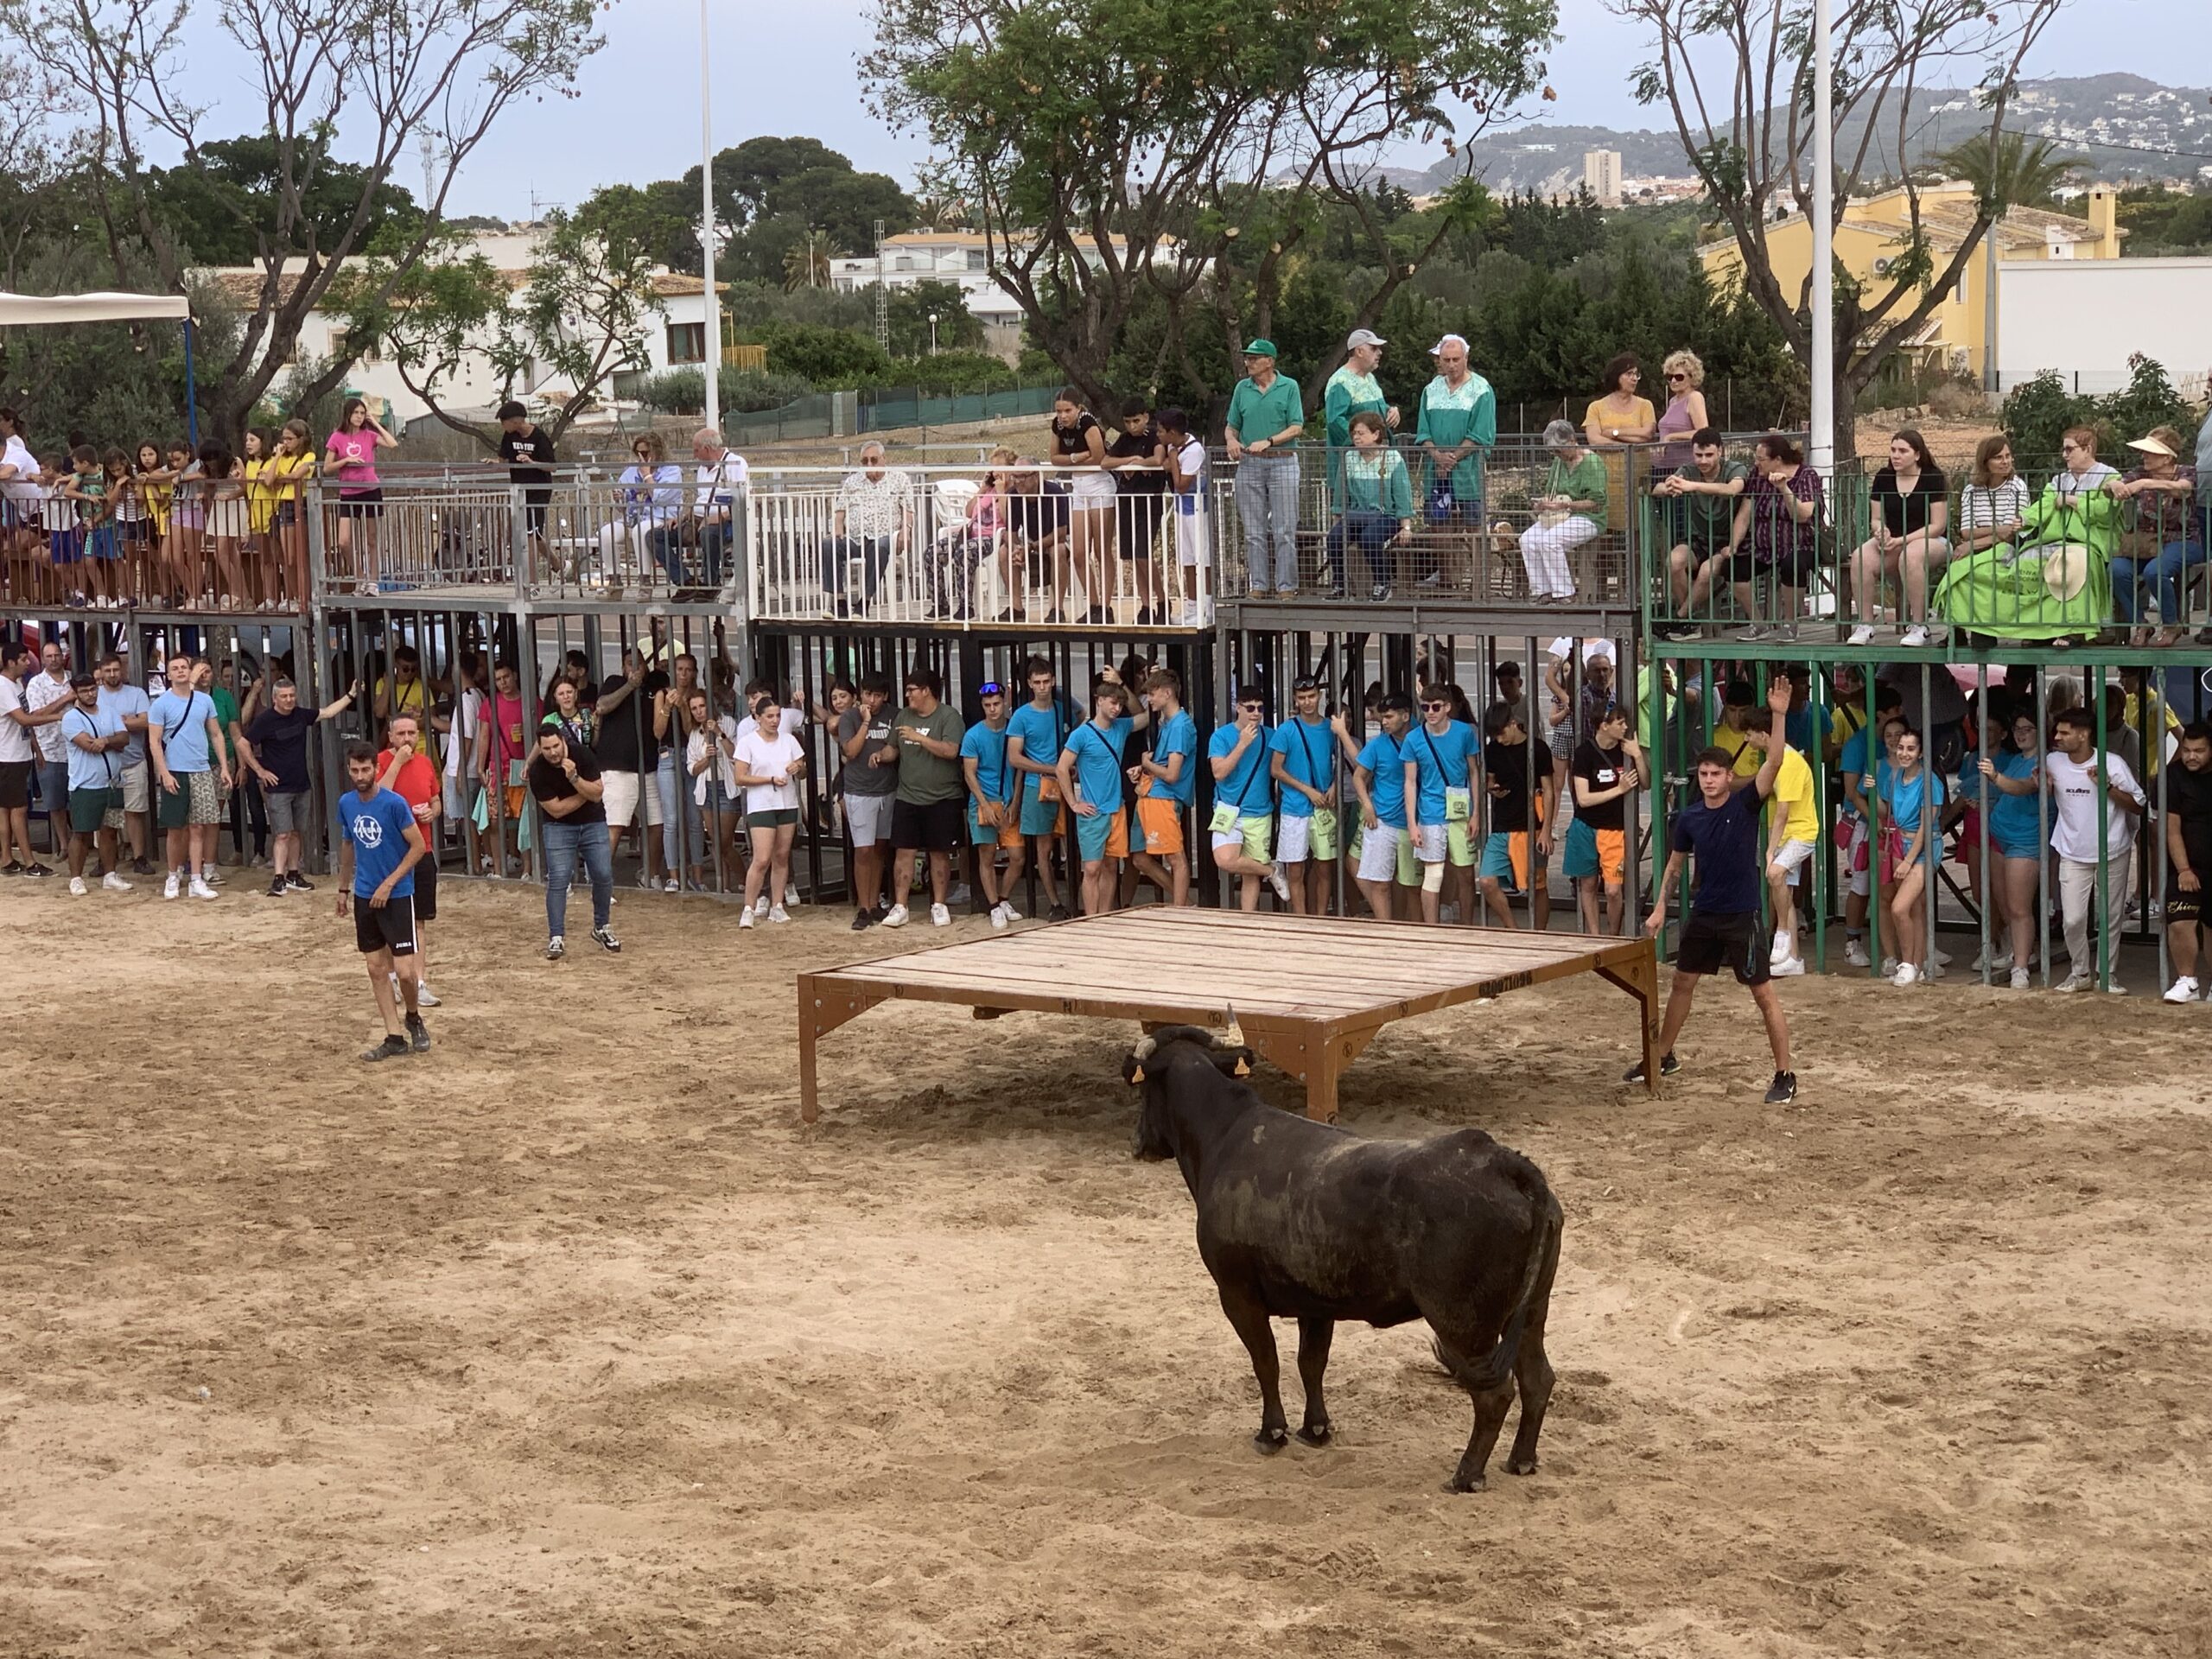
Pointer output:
x,y
93,308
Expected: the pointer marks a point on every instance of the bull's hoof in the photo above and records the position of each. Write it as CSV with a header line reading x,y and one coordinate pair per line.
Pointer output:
x,y
1459,1484
1271,1441
1521,1465
1314,1434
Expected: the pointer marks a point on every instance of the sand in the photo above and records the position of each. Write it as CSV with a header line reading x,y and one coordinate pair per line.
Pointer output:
x,y
566,1339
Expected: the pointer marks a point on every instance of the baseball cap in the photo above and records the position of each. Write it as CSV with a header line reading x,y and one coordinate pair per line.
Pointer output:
x,y
551,723
1359,337
1260,348
1437,350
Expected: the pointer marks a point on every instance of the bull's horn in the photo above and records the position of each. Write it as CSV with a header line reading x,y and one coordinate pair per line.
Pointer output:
x,y
1143,1050
1235,1035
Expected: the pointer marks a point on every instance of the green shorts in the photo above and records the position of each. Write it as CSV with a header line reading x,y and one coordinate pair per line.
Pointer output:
x,y
775,820
88,808
173,807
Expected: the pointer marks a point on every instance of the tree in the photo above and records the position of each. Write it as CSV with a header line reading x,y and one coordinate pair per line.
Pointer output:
x,y
1114,151
907,311
1736,77
371,78
221,209
807,262
578,317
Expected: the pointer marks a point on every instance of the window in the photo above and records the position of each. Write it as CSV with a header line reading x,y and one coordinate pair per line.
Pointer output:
x,y
977,260
687,342
343,350
902,263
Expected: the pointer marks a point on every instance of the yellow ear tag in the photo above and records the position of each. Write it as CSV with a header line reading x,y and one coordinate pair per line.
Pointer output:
x,y
1243,1066
1136,1075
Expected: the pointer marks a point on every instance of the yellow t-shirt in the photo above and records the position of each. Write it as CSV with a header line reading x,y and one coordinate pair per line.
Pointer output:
x,y
1747,760
1792,797
260,498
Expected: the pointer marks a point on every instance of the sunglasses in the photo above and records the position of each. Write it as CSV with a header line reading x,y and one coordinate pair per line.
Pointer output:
x,y
990,689
1436,708
1678,377
1254,707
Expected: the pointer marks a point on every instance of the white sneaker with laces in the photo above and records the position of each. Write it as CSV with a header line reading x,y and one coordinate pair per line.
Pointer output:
x,y
1783,950
1861,635
2071,982
1906,975
940,917
1787,967
777,913
1280,882
745,917
1914,636
115,883
760,906
76,887
2183,989
1854,952
1012,914
425,997
894,917
998,918
170,887
1940,957
199,889
2021,979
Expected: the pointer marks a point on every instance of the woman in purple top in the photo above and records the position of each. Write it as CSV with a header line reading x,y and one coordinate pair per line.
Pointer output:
x,y
1685,412
1776,535
350,457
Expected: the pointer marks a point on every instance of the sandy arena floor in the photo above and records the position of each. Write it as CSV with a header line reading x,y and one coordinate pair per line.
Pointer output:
x,y
565,1340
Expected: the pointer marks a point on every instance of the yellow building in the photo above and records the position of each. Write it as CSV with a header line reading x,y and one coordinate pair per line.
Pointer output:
x,y
1872,234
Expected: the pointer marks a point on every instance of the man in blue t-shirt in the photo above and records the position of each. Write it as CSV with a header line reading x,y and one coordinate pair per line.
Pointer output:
x,y
1379,775
1303,763
379,845
1441,752
1721,828
1242,822
95,741
1167,777
132,705
1089,779
1035,735
993,811
186,741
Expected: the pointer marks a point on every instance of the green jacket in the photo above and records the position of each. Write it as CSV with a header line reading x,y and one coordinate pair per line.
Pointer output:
x,y
1583,481
2090,517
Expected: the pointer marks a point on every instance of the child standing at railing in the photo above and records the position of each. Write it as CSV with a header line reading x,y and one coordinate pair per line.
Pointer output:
x,y
285,479
1186,482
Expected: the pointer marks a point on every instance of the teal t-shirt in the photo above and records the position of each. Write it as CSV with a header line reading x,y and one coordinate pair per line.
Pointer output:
x,y
1309,755
1042,731
987,749
1178,735
1384,760
1098,763
1443,762
1247,787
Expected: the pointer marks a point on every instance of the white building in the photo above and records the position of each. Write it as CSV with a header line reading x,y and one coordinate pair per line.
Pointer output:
x,y
674,336
1601,176
2085,318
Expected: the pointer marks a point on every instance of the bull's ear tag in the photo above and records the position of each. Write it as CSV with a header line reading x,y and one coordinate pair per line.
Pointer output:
x,y
1136,1075
1244,1067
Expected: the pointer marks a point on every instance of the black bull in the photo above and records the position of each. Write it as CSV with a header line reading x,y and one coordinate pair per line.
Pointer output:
x,y
1307,1220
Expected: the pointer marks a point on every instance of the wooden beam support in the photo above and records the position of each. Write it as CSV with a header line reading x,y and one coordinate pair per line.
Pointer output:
x,y
823,1007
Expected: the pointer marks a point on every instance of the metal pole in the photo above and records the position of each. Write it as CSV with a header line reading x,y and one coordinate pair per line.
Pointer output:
x,y
1822,320
713,310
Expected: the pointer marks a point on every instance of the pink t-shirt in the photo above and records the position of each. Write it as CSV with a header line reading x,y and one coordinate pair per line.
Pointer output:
x,y
357,458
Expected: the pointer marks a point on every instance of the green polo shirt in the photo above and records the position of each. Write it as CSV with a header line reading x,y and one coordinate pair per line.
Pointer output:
x,y
1256,414
1451,416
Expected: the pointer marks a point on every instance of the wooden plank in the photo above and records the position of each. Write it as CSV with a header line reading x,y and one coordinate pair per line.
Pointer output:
x,y
1269,971
1426,949
1196,988
1393,936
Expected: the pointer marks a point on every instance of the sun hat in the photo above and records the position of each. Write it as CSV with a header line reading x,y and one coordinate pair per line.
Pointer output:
x,y
2152,447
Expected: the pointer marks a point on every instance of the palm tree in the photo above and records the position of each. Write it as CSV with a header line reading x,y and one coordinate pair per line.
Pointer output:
x,y
2016,172
807,262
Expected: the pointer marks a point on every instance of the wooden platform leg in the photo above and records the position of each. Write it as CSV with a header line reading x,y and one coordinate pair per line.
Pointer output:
x,y
1313,1054
822,1010
1639,977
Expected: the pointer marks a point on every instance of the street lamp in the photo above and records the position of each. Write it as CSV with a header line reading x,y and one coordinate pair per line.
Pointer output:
x,y
932,333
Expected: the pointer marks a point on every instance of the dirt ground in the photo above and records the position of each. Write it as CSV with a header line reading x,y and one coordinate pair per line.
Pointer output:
x,y
566,1339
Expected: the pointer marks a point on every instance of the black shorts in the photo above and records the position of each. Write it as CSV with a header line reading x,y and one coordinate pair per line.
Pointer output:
x,y
14,785
534,508
361,503
1710,943
2183,907
933,826
426,890
389,929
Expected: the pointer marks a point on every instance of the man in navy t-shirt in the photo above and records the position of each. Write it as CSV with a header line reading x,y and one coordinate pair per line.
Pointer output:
x,y
379,845
1721,828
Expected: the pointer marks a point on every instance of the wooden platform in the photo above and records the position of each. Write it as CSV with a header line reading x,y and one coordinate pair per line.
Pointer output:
x,y
1310,992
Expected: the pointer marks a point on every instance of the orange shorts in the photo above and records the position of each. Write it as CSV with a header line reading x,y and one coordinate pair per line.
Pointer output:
x,y
1102,835
1160,817
516,795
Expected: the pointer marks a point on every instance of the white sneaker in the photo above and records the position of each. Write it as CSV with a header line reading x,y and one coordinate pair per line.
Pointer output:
x,y
1861,635
940,917
425,997
959,895
1787,967
1783,950
1905,975
1280,882
76,887
671,885
212,875
170,887
1933,970
1890,966
760,906
115,883
1915,636
1996,964
1854,952
2183,989
2116,988
745,917
894,917
998,918
777,913
199,889
2072,982
2021,979
1941,957
1012,914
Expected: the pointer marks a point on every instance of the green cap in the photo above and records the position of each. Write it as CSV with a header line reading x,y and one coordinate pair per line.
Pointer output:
x,y
1261,348
550,722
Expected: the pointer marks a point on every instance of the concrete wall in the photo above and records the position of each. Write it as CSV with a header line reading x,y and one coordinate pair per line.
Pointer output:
x,y
2087,317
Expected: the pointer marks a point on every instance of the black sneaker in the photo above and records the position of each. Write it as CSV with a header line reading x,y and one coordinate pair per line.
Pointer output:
x,y
277,889
297,883
392,1048
418,1034
144,867
607,939
1057,913
863,920
1667,1066
13,867
36,868
1782,1090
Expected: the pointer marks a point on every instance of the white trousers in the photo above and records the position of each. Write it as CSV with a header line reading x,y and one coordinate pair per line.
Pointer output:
x,y
1544,548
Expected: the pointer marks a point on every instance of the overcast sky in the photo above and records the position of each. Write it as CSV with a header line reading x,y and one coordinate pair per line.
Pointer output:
x,y
787,66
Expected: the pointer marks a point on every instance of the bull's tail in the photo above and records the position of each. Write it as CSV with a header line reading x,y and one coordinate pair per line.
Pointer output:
x,y
1493,1371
